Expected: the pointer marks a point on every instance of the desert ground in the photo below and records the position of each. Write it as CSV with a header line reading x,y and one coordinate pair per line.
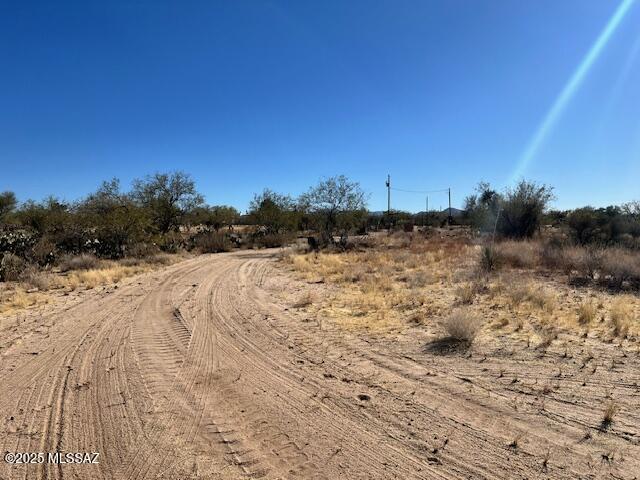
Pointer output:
x,y
276,363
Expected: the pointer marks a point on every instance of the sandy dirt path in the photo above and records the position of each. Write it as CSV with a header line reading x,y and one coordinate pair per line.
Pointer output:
x,y
200,370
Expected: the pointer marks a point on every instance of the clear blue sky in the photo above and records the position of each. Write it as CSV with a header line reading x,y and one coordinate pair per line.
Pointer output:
x,y
251,94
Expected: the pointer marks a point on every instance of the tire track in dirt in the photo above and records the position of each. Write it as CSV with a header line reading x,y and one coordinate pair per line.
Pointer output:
x,y
197,371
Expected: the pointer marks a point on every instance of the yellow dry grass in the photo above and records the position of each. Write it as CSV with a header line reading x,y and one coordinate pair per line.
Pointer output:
x,y
402,281
98,276
19,299
379,288
621,314
16,297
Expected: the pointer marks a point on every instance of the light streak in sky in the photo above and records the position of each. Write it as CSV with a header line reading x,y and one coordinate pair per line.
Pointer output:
x,y
570,89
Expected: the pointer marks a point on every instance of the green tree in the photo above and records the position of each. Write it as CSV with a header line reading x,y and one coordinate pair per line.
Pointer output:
x,y
216,217
338,205
8,203
516,213
49,216
113,218
167,198
275,212
522,209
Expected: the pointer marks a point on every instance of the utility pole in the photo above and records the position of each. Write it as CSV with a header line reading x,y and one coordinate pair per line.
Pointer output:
x,y
426,211
389,199
450,218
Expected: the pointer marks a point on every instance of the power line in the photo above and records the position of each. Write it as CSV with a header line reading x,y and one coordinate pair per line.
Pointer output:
x,y
420,191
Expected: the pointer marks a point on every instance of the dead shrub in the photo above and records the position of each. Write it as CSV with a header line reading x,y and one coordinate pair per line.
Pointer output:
x,y
462,325
552,256
142,250
619,266
590,262
42,253
518,254
160,259
84,261
212,242
34,278
11,267
130,261
272,240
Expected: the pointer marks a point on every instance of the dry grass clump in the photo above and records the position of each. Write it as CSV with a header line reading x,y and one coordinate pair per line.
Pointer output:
x,y
462,325
537,296
418,279
518,254
305,300
84,261
610,411
547,336
160,259
18,299
621,314
100,276
467,291
587,313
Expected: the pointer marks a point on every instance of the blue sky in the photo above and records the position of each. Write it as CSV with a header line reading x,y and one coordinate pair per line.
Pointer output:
x,y
251,94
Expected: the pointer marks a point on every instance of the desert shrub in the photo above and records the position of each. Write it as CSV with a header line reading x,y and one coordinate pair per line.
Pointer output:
x,y
552,255
211,242
271,240
489,260
518,254
142,250
585,261
11,267
517,213
605,226
170,242
619,266
84,261
17,242
42,253
160,259
34,278
522,209
462,325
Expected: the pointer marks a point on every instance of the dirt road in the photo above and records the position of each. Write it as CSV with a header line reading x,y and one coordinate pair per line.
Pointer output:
x,y
201,371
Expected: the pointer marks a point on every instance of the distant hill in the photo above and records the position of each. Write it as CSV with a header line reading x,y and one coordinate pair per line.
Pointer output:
x,y
455,212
